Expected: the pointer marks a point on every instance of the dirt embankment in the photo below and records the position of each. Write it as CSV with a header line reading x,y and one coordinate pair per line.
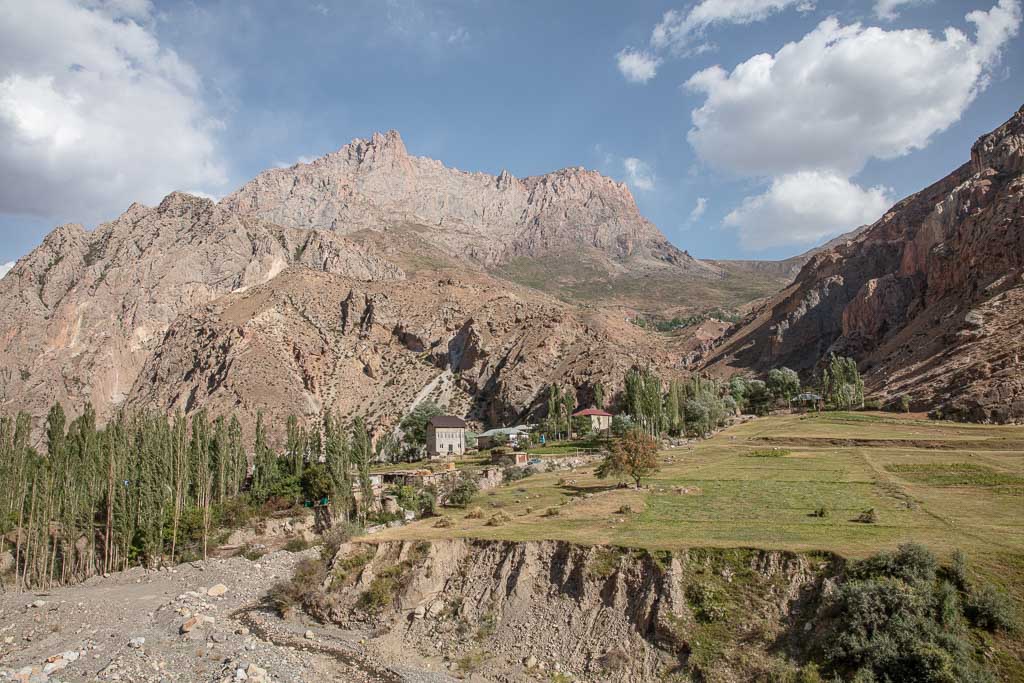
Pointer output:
x,y
518,611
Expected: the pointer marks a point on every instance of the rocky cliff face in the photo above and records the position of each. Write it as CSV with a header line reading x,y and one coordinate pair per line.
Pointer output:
x,y
82,313
308,342
929,299
375,183
592,613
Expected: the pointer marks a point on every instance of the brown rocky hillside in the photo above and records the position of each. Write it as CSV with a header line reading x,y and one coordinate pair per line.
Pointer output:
x,y
379,297
929,299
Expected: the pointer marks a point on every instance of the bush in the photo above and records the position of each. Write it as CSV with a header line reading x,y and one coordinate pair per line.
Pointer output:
x,y
462,494
893,620
872,404
475,513
869,516
989,609
705,601
910,562
307,579
958,570
513,473
499,519
444,522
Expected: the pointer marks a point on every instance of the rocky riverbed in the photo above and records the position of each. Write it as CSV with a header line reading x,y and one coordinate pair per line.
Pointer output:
x,y
199,621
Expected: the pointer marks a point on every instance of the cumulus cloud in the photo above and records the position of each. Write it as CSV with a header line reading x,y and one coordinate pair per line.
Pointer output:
x,y
887,9
844,94
95,113
682,32
5,268
699,209
637,66
638,174
821,107
803,208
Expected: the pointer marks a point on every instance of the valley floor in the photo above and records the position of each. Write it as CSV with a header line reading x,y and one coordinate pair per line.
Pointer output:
x,y
796,483
758,484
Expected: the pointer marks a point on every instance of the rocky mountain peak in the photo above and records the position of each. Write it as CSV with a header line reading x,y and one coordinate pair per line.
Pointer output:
x,y
1001,150
374,184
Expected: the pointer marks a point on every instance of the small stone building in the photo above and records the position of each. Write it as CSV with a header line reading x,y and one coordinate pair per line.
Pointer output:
x,y
446,437
600,421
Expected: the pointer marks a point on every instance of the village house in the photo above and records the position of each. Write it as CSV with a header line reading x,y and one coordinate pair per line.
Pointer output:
x,y
600,421
446,437
503,436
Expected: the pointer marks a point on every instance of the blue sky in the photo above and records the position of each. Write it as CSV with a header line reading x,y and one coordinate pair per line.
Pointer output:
x,y
817,117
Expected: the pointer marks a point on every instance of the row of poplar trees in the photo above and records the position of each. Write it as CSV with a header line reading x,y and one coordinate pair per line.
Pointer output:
x,y
147,489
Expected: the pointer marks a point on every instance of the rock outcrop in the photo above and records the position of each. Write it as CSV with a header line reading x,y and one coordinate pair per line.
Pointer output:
x,y
929,299
376,184
309,342
81,314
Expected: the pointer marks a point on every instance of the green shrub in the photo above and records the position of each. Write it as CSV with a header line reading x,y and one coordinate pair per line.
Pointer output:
x,y
947,604
990,609
958,570
462,494
910,562
705,601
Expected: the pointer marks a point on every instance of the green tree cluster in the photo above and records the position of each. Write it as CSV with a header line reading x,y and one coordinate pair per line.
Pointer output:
x,y
145,489
841,383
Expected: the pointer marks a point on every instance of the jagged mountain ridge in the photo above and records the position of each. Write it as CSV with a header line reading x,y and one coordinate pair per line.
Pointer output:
x,y
929,299
376,183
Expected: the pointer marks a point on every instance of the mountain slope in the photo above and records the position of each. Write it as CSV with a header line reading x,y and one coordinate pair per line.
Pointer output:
x,y
376,184
81,314
929,299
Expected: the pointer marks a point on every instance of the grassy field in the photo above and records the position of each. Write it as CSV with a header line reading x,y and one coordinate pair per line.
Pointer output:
x,y
946,485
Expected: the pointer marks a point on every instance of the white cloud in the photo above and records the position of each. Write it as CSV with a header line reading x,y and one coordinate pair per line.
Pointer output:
x,y
682,32
844,94
699,209
636,65
811,115
95,113
5,268
638,174
887,9
803,208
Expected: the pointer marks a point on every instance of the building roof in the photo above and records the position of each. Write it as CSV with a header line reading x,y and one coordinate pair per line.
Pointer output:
x,y
521,429
591,411
448,422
